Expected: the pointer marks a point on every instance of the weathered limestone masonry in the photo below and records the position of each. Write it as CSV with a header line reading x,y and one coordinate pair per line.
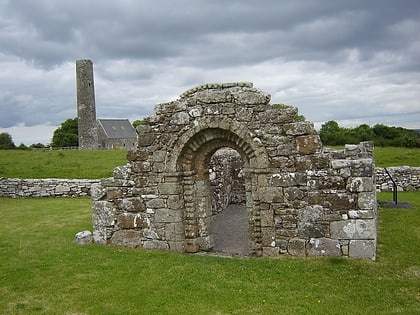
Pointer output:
x,y
407,178
227,184
51,187
301,199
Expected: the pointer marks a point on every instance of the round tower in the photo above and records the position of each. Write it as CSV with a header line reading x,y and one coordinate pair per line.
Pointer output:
x,y
86,111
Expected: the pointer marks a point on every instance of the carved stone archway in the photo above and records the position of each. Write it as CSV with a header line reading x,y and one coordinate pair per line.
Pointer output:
x,y
301,199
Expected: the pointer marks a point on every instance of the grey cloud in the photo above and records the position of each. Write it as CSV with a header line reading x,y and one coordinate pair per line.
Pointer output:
x,y
333,59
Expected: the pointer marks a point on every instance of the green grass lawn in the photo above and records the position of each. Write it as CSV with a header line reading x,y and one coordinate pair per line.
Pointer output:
x,y
60,164
43,271
392,156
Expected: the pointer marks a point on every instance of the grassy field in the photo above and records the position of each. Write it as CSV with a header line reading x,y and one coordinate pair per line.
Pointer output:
x,y
99,164
43,271
60,164
391,156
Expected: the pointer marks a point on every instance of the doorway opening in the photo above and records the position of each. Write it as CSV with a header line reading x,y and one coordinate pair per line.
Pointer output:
x,y
229,221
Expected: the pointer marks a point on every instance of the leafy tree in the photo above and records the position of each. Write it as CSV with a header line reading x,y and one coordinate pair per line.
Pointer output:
x,y
6,141
331,133
385,132
37,146
139,122
364,133
22,146
66,135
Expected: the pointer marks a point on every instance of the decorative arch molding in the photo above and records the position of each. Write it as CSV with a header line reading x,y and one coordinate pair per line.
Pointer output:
x,y
232,132
301,199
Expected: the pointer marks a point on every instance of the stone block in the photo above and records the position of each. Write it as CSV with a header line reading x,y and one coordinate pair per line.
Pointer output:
x,y
324,247
97,191
268,236
299,128
293,193
267,218
338,164
270,251
174,231
134,204
353,229
361,214
176,246
62,189
113,193
361,184
103,213
131,221
127,238
156,203
205,242
168,216
280,115
283,180
83,238
365,249
155,244
150,234
297,247
180,118
253,97
308,144
175,202
170,188
271,194
145,140
363,168
335,202
366,200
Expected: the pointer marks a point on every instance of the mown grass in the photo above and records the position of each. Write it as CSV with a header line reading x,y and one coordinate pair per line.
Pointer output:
x,y
392,156
43,271
100,164
60,164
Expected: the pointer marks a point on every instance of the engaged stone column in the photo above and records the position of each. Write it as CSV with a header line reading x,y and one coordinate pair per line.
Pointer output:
x,y
86,111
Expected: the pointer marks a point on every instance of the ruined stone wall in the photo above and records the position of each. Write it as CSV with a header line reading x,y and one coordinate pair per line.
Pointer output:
x,y
301,199
226,179
227,164
50,187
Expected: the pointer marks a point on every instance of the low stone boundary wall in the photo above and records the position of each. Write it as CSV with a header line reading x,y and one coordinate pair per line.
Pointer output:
x,y
407,178
50,187
225,178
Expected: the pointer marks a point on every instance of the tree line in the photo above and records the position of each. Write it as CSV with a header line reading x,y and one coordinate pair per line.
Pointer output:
x,y
332,134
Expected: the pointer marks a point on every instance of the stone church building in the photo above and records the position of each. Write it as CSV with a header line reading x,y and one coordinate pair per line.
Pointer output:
x,y
116,134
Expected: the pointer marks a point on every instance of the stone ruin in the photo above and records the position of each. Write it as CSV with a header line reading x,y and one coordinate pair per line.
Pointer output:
x,y
301,199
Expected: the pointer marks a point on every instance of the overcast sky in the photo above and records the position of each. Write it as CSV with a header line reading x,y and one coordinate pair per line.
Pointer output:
x,y
350,61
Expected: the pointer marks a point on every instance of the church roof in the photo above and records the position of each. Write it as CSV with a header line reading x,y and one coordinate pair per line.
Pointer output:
x,y
117,128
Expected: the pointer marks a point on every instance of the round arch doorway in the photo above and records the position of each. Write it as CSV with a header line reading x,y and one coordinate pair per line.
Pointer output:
x,y
193,163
